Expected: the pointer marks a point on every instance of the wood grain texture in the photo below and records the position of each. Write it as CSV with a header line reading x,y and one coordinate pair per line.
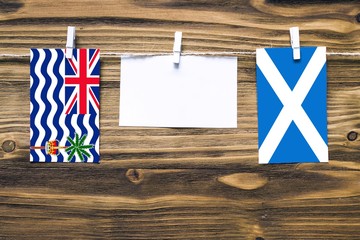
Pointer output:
x,y
166,183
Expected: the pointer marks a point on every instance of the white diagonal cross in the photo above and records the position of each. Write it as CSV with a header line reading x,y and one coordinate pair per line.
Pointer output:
x,y
292,100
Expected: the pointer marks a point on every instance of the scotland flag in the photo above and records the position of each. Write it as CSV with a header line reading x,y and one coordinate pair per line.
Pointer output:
x,y
292,119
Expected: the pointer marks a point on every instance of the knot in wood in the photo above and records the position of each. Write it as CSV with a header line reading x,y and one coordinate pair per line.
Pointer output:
x,y
352,136
8,146
259,238
358,18
135,176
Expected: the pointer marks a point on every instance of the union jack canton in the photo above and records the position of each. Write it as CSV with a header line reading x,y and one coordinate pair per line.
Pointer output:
x,y
82,80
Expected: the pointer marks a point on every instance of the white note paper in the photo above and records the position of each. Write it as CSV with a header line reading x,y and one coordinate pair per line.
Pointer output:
x,y
200,92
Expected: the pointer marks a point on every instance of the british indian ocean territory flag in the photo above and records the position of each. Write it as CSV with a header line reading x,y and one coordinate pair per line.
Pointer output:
x,y
64,105
292,119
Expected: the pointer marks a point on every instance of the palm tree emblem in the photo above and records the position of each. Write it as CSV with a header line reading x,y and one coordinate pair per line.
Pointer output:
x,y
78,147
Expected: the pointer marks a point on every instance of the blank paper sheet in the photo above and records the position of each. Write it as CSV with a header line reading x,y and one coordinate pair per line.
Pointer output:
x,y
200,92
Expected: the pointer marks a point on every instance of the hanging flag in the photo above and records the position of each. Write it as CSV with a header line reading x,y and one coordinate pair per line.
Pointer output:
x,y
292,119
64,105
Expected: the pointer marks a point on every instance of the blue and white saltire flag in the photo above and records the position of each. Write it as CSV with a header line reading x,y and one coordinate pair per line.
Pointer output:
x,y
64,105
292,119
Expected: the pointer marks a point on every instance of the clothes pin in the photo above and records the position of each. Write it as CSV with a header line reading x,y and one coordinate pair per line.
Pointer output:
x,y
177,47
295,42
70,43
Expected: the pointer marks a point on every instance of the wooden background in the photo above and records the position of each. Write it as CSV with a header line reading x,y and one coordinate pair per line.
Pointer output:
x,y
180,183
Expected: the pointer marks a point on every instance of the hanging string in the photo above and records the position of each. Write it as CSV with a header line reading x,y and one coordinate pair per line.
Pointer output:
x,y
182,53
148,54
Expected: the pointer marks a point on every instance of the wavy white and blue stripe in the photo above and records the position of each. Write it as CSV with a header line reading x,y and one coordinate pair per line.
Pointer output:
x,y
48,120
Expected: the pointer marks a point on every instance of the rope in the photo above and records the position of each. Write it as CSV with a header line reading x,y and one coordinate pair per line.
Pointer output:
x,y
127,54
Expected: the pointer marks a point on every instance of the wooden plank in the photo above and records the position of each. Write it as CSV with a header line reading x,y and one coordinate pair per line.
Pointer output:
x,y
149,25
184,203
180,183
